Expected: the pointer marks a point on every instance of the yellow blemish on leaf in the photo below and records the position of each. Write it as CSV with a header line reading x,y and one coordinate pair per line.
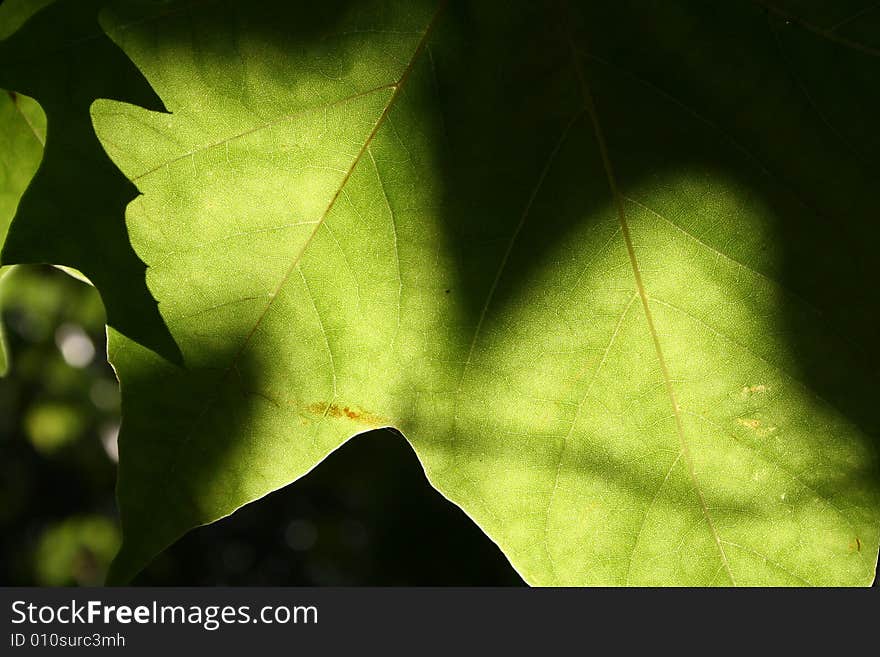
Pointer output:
x,y
337,411
754,390
756,426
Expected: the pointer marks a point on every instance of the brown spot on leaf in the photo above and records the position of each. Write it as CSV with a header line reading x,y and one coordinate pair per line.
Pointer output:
x,y
855,545
756,426
338,411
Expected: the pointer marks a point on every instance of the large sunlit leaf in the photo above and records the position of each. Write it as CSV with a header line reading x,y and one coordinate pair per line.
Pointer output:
x,y
608,268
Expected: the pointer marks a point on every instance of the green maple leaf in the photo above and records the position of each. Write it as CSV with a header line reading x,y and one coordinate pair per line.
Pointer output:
x,y
70,215
21,147
22,136
608,269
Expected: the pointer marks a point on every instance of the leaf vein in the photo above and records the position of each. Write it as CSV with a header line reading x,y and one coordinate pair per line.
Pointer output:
x,y
624,228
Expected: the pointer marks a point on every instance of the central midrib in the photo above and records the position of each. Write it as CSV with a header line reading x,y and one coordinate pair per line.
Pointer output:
x,y
627,238
397,86
14,98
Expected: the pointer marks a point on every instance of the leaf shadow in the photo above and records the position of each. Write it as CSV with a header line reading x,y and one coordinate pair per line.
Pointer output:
x,y
772,118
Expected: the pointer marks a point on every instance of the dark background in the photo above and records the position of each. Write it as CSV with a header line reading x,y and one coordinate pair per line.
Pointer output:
x,y
365,516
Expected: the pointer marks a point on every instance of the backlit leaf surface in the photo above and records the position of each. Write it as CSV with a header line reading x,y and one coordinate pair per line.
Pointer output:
x,y
609,269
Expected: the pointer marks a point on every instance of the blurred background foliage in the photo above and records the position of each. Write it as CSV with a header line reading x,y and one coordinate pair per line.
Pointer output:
x,y
366,516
